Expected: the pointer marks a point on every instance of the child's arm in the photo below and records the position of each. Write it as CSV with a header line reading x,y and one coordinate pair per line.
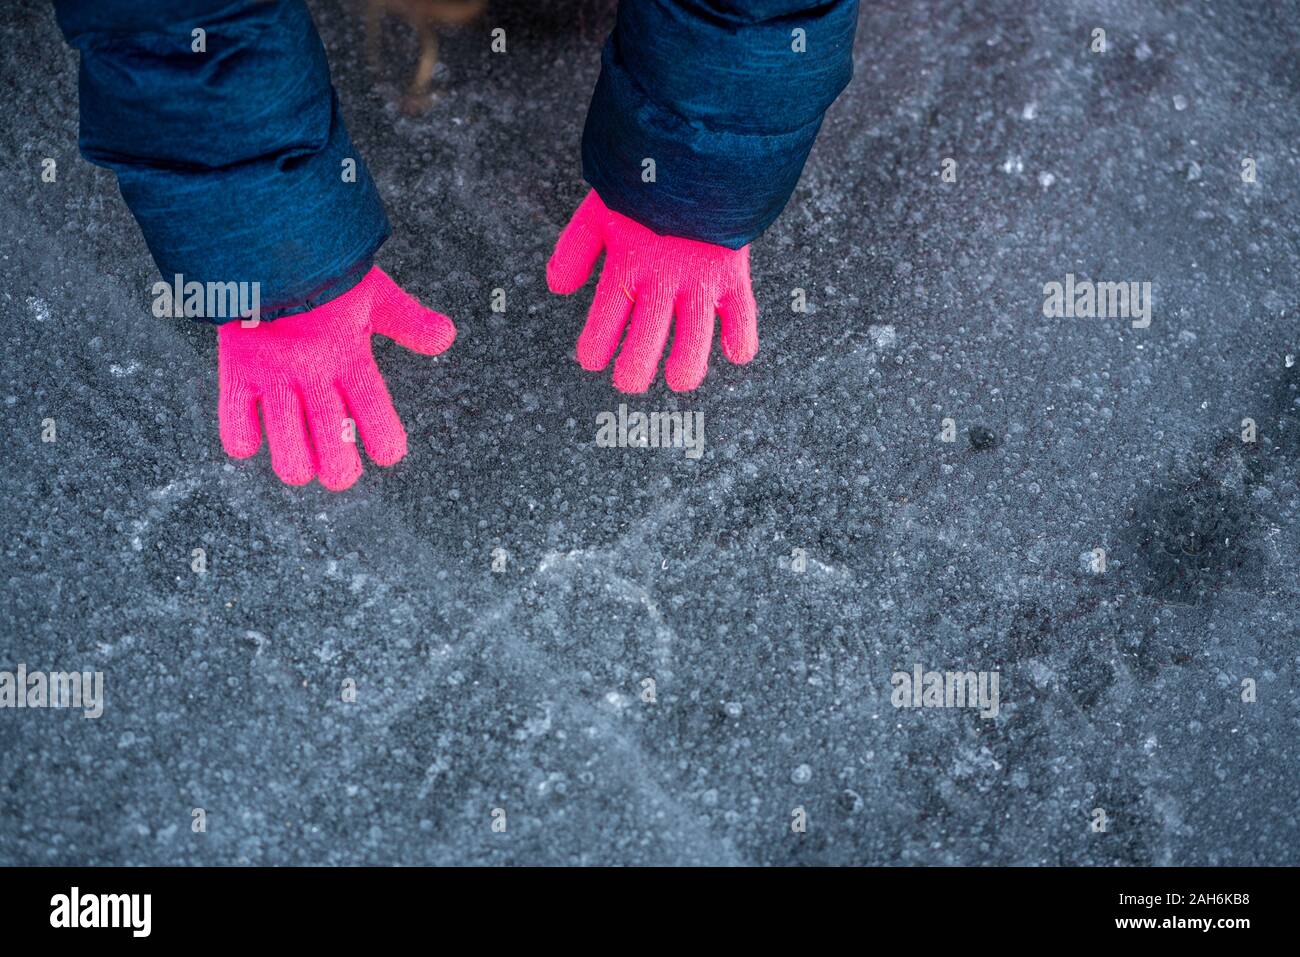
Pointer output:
x,y
220,120
231,157
726,97
699,127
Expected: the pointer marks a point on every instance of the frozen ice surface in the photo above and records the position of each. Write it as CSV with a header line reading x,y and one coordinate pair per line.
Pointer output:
x,y
677,653
884,337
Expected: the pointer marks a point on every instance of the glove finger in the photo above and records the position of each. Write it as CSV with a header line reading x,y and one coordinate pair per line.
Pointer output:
x,y
739,314
372,409
638,361
286,433
575,254
401,318
692,339
333,437
241,433
605,322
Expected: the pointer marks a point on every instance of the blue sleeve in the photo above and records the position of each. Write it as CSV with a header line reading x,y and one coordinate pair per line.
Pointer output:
x,y
726,97
231,160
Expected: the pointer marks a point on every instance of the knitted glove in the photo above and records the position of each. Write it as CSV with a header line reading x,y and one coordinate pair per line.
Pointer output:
x,y
315,378
652,277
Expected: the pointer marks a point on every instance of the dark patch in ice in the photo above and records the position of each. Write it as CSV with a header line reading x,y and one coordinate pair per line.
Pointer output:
x,y
1196,532
982,438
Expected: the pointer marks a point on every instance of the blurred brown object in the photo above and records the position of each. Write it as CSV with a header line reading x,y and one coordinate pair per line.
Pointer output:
x,y
426,16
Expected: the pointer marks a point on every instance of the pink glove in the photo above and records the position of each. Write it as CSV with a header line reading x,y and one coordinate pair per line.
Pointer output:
x,y
317,382
652,277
